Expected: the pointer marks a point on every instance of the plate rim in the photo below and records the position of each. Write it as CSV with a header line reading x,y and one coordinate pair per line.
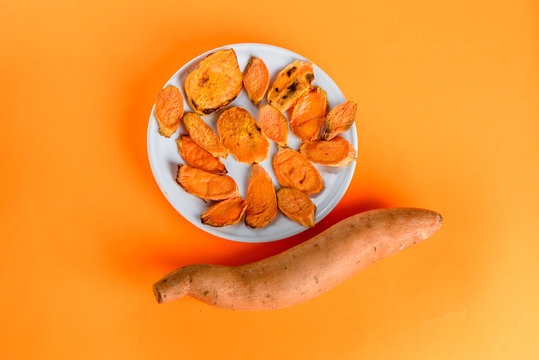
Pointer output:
x,y
211,230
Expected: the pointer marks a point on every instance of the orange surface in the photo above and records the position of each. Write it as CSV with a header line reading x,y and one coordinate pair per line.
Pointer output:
x,y
448,119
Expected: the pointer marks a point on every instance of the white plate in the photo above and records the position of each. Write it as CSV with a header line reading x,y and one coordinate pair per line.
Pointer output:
x,y
164,156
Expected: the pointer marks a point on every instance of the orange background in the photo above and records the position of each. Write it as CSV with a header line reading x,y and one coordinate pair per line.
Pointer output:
x,y
448,120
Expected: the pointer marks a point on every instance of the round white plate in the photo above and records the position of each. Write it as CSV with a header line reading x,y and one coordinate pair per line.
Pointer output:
x,y
164,156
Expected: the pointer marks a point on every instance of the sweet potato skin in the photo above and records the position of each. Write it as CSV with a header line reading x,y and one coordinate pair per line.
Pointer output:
x,y
256,80
296,206
273,124
335,152
206,185
305,270
261,198
216,81
168,110
242,136
293,170
196,156
339,120
224,213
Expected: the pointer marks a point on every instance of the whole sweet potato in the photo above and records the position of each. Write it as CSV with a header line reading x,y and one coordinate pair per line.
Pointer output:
x,y
306,270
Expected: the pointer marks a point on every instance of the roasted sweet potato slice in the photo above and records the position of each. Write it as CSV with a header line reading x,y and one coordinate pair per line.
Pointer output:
x,y
241,135
261,200
215,82
296,206
203,135
290,84
335,152
339,120
309,114
273,124
194,155
255,79
227,212
168,110
206,185
294,170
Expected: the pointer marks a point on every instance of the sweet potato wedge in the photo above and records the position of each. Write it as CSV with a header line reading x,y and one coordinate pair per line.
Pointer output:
x,y
241,135
261,199
168,110
290,84
335,152
215,82
206,185
339,120
256,80
273,124
305,270
294,170
296,206
203,135
227,212
309,114
194,155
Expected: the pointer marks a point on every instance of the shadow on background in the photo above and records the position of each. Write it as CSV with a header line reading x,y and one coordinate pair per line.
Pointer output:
x,y
158,258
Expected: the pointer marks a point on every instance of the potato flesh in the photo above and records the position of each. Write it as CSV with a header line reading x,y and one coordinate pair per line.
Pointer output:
x,y
215,82
290,84
206,185
261,198
293,170
224,213
242,136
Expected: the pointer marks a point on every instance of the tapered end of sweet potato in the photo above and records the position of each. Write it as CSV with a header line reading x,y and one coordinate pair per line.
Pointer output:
x,y
157,294
174,285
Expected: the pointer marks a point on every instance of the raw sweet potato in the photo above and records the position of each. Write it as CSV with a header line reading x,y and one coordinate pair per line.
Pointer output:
x,y
215,82
194,155
273,124
261,199
296,206
309,114
255,79
203,135
335,152
305,270
227,212
168,110
339,120
293,170
206,185
241,135
290,83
